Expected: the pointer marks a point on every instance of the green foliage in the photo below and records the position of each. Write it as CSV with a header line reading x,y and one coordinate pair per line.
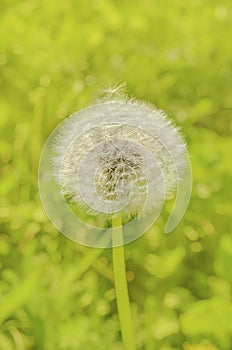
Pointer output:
x,y
203,318
54,57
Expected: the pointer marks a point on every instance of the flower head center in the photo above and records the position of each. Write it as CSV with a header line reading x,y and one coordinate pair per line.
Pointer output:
x,y
119,167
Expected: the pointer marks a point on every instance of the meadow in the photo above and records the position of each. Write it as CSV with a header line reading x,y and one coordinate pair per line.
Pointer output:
x,y
54,59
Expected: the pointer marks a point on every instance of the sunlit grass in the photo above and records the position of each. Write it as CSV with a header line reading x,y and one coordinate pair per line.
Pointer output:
x,y
55,294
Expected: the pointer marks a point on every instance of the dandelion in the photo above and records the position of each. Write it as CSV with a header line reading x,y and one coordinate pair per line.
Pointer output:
x,y
119,159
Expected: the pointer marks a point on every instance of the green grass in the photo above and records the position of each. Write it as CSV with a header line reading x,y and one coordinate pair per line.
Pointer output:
x,y
54,58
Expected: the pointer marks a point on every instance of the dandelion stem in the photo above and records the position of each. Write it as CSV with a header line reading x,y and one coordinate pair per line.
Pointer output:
x,y
122,296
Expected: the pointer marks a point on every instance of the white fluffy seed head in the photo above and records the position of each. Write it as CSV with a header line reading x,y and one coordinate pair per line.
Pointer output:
x,y
118,156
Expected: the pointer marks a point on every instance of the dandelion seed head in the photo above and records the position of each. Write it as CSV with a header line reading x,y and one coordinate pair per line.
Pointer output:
x,y
116,157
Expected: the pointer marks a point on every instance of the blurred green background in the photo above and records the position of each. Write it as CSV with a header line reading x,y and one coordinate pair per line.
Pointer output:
x,y
54,57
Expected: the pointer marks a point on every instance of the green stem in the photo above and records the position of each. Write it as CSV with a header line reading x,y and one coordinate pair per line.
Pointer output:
x,y
122,296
